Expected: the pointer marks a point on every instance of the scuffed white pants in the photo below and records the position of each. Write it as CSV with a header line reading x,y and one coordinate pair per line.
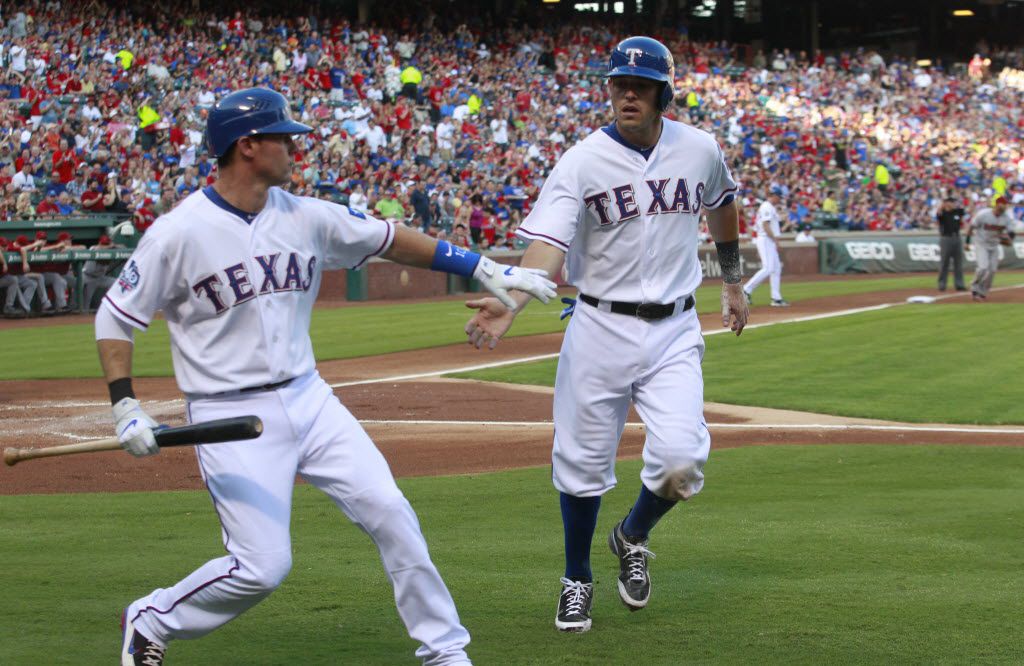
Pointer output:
x,y
609,361
306,431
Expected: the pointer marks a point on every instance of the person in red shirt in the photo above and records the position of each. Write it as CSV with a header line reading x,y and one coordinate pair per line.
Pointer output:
x,y
143,217
48,206
92,198
64,162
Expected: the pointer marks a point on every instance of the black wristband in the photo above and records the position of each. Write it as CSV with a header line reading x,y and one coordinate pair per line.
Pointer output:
x,y
729,260
120,389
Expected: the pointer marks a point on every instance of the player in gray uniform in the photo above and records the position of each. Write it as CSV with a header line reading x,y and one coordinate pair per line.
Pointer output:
x,y
989,228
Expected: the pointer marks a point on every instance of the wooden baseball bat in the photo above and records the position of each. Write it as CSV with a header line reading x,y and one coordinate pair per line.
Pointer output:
x,y
209,432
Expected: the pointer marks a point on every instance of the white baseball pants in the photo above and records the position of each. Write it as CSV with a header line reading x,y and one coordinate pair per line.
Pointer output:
x,y
771,268
610,360
306,431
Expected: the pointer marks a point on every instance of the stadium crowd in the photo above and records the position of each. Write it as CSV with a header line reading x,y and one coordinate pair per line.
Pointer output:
x,y
453,126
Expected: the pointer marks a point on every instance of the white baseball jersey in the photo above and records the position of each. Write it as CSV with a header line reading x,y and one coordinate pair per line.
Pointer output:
x,y
767,220
237,290
629,225
987,228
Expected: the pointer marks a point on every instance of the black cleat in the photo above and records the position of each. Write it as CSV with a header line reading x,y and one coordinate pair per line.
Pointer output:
x,y
574,606
634,579
137,650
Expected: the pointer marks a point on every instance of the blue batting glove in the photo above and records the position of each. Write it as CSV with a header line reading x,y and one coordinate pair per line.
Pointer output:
x,y
570,307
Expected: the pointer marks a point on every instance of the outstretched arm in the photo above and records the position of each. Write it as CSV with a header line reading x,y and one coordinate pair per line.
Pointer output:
x,y
492,319
723,223
413,248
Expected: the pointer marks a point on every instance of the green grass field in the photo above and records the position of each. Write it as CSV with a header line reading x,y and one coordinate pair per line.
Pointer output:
x,y
348,332
853,555
919,363
807,555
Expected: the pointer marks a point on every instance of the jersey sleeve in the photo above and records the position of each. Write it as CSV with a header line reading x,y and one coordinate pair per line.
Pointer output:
x,y
765,213
351,237
720,187
144,285
555,216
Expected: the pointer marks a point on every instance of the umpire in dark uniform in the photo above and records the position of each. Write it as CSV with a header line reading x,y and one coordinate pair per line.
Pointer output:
x,y
949,218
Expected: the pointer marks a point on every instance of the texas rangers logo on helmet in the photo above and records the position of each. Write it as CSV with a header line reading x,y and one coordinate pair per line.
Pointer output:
x,y
129,278
633,53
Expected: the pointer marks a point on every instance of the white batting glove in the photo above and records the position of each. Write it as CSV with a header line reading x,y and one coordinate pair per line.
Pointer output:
x,y
499,278
135,428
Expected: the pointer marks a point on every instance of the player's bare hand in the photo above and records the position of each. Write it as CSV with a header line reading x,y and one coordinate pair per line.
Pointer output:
x,y
734,307
490,321
499,278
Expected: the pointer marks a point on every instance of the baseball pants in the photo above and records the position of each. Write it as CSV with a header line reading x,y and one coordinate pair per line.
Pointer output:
x,y
952,252
771,268
91,285
12,284
59,285
31,285
987,262
309,432
609,361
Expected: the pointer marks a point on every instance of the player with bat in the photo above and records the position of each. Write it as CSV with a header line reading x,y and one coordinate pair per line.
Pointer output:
x,y
236,267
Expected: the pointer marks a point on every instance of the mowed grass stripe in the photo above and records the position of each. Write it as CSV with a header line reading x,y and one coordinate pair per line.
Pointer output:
x,y
59,352
846,554
948,363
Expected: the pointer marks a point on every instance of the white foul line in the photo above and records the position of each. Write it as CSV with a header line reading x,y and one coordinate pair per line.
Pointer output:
x,y
717,331
723,426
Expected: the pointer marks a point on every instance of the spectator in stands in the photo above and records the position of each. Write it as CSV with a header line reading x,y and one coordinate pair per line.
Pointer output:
x,y
23,208
24,181
92,198
805,235
421,206
388,207
358,200
460,236
65,205
48,206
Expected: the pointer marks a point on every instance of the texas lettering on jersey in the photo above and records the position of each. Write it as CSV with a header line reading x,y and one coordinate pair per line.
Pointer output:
x,y
668,195
297,276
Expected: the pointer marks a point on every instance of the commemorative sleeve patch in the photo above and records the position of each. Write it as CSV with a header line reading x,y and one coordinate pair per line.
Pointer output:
x,y
130,277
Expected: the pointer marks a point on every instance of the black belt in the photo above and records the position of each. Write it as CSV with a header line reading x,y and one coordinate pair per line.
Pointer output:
x,y
266,387
646,311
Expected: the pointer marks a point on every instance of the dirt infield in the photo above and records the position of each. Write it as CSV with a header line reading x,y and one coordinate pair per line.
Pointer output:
x,y
424,425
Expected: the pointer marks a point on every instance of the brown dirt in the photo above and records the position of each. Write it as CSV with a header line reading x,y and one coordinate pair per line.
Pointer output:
x,y
470,438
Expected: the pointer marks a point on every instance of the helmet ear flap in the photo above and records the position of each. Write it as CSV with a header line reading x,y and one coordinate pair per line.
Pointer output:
x,y
667,94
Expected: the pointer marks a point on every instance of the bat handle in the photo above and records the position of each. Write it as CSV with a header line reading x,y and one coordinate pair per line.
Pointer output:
x,y
12,455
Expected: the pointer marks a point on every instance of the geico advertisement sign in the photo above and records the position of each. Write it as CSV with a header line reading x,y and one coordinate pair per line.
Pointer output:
x,y
924,251
870,250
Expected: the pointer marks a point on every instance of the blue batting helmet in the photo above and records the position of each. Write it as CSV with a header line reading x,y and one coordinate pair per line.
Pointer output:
x,y
647,58
248,112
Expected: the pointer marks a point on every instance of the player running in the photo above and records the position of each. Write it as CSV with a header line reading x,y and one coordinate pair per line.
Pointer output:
x,y
622,208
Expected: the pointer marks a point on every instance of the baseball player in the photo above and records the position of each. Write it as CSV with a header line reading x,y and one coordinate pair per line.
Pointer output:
x,y
236,267
989,228
622,208
767,226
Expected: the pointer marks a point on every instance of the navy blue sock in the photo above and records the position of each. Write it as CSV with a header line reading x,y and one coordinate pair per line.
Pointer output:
x,y
645,514
579,518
